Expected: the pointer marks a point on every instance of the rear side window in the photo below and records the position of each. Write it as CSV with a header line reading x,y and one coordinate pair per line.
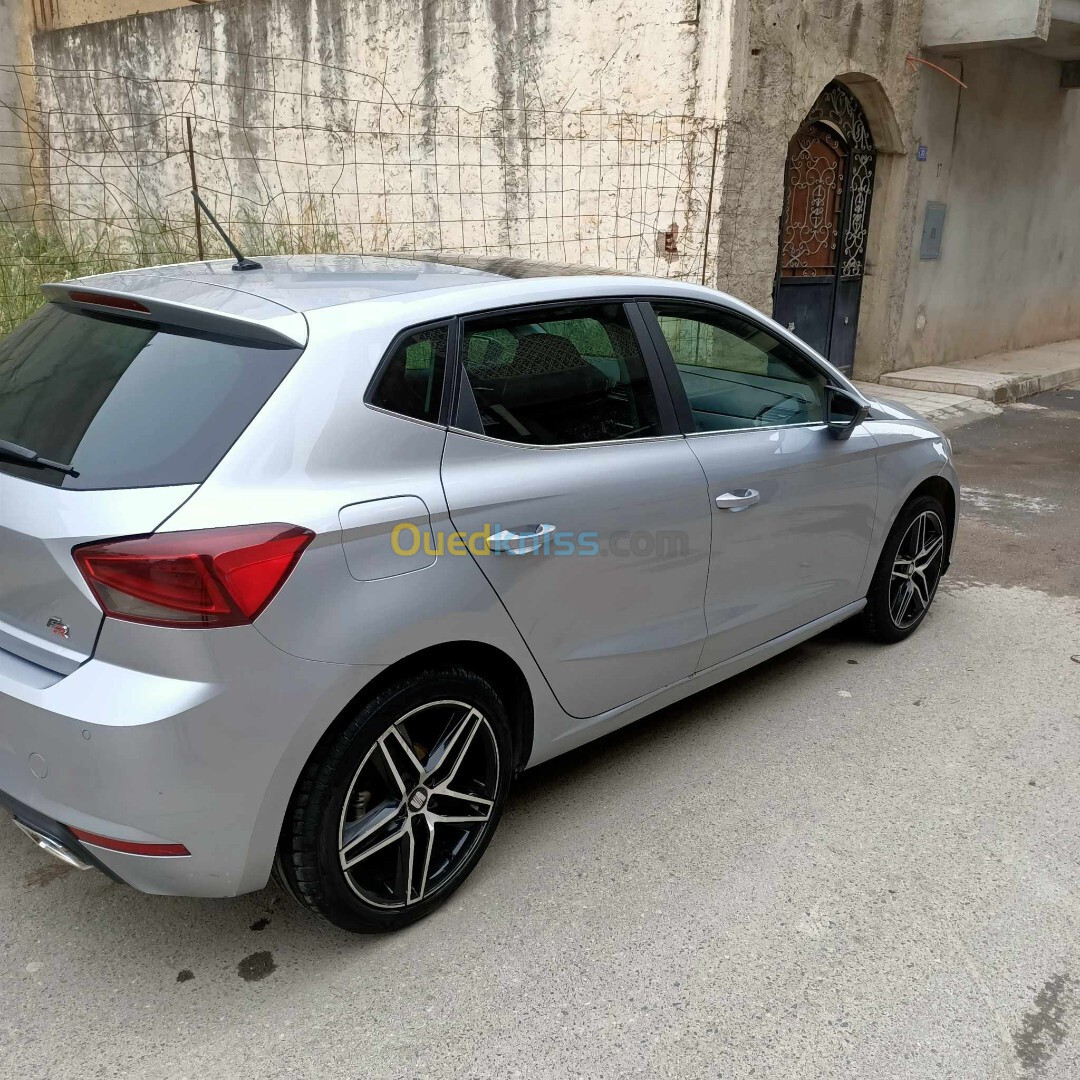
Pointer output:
x,y
128,404
410,380
557,375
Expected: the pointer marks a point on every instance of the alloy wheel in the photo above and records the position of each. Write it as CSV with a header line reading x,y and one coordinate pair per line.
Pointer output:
x,y
419,803
916,569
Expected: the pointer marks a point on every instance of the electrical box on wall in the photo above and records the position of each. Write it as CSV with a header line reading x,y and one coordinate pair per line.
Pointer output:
x,y
933,227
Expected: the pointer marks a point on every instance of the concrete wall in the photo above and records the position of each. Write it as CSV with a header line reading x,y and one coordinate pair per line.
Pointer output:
x,y
566,129
588,122
455,124
784,54
57,14
17,113
1004,155
960,22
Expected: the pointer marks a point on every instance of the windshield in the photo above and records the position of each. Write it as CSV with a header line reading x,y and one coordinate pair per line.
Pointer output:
x,y
128,404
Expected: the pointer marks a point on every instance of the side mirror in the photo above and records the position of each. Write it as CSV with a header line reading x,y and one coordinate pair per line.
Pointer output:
x,y
843,412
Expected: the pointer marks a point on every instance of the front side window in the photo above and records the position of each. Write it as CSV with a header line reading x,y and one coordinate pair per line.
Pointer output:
x,y
556,375
410,381
735,373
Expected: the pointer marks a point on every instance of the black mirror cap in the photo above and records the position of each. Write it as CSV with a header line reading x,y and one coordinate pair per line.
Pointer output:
x,y
843,412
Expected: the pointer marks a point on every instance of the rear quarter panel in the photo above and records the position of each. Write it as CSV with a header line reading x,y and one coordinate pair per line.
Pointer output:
x,y
317,448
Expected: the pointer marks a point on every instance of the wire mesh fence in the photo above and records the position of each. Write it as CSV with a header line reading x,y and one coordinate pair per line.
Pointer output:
x,y
97,169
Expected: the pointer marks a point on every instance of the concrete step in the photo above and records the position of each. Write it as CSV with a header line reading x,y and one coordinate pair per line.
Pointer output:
x,y
946,410
998,377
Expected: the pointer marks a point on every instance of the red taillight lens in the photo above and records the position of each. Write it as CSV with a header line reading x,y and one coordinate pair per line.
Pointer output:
x,y
129,847
213,577
125,303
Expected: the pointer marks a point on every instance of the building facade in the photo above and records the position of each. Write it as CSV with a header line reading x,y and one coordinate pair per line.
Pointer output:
x,y
1001,172
818,158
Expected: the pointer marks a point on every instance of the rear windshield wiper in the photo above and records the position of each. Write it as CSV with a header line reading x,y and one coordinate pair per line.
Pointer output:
x,y
10,451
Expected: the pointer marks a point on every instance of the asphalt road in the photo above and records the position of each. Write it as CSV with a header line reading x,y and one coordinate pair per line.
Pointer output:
x,y
855,861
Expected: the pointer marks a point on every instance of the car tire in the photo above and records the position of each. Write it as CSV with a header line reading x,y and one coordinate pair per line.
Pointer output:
x,y
908,571
396,807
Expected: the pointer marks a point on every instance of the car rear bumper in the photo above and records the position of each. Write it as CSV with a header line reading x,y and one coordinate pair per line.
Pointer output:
x,y
197,740
53,836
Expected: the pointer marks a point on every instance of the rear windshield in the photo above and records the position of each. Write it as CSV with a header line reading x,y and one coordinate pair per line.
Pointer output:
x,y
128,404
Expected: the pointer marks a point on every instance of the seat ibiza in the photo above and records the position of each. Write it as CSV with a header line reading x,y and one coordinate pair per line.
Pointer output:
x,y
301,565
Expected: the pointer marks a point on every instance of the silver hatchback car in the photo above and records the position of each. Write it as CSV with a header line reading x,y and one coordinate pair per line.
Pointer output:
x,y
300,565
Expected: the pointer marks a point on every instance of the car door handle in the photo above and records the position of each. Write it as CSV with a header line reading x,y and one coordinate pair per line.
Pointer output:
x,y
514,543
738,500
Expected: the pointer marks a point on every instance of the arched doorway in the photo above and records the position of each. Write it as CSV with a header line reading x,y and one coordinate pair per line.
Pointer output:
x,y
828,181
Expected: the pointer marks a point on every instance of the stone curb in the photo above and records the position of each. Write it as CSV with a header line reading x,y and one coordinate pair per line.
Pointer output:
x,y
946,410
1049,369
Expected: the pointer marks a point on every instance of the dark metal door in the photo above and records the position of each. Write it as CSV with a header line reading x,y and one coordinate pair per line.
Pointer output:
x,y
810,235
828,181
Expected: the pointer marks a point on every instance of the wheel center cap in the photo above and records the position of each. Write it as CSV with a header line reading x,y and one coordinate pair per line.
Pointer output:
x,y
418,799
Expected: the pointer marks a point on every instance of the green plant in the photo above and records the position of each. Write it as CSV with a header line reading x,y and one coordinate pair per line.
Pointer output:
x,y
32,256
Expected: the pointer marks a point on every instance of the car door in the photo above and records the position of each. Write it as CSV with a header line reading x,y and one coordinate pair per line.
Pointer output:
x,y
581,502
792,507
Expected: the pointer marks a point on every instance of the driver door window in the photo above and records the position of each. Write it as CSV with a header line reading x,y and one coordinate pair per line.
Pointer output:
x,y
735,373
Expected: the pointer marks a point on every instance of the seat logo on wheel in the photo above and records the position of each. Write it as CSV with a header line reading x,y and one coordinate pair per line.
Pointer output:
x,y
418,799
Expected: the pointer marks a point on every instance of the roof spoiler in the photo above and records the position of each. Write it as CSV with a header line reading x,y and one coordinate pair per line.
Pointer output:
x,y
262,320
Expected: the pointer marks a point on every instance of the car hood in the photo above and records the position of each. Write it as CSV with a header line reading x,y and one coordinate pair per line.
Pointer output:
x,y
883,409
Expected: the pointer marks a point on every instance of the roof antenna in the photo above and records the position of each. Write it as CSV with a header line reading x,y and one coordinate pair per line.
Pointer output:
x,y
241,262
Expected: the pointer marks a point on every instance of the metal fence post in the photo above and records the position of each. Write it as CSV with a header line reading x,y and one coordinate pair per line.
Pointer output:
x,y
194,185
708,206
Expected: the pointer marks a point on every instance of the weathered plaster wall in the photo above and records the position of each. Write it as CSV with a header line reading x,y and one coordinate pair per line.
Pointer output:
x,y
784,54
960,22
1004,155
614,53
16,121
57,14
551,74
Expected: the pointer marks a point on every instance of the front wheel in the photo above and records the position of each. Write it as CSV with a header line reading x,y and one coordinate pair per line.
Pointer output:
x,y
908,571
392,813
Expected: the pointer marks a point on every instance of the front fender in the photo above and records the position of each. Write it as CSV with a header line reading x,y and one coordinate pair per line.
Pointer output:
x,y
910,452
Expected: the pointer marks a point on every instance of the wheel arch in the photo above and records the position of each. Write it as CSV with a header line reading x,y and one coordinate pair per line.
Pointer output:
x,y
940,488
901,487
487,660
500,669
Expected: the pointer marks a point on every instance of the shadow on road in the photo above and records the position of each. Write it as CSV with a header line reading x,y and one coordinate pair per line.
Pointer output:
x,y
181,934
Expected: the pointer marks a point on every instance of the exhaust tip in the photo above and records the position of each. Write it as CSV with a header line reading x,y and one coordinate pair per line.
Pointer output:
x,y
53,847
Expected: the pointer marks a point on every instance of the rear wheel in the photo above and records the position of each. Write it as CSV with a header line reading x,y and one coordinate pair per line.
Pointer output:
x,y
392,814
908,571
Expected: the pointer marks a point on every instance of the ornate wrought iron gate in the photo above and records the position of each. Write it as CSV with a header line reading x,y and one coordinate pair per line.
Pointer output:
x,y
829,179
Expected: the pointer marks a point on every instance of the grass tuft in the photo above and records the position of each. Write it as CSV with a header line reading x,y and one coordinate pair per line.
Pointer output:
x,y
30,257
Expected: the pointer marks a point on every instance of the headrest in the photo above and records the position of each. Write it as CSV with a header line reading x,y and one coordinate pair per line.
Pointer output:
x,y
539,354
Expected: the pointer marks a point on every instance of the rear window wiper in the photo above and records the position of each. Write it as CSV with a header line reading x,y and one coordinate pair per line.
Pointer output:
x,y
10,451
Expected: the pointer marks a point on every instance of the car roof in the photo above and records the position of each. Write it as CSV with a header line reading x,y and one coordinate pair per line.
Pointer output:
x,y
274,301
306,282
269,302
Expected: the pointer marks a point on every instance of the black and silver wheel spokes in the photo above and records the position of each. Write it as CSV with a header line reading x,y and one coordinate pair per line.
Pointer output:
x,y
916,569
418,803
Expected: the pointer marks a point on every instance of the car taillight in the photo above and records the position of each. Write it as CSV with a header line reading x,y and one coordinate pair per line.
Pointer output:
x,y
125,303
206,578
